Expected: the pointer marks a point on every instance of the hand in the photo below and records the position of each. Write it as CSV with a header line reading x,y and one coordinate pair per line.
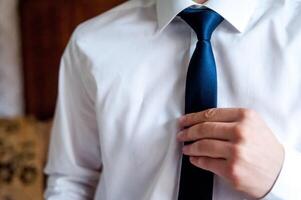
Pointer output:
x,y
236,145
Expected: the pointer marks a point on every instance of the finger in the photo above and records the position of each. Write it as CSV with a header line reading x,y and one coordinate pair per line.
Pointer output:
x,y
212,115
209,148
217,166
207,130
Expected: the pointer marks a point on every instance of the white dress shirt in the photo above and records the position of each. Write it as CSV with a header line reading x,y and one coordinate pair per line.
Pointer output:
x,y
122,87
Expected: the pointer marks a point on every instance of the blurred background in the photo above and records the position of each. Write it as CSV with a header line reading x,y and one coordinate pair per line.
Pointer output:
x,y
33,35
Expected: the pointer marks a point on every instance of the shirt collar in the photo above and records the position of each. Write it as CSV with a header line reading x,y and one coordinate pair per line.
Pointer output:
x,y
236,12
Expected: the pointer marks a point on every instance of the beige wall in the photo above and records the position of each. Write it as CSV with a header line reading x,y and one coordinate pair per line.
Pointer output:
x,y
11,99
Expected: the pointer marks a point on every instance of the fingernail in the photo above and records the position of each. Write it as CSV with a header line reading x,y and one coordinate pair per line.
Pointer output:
x,y
192,159
180,135
182,119
184,149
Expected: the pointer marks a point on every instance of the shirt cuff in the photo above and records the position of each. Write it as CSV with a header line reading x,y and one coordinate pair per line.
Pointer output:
x,y
286,186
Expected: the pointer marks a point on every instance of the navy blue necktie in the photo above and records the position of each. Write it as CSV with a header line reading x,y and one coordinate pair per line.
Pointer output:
x,y
201,94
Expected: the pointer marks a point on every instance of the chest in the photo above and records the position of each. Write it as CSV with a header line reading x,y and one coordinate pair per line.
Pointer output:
x,y
141,95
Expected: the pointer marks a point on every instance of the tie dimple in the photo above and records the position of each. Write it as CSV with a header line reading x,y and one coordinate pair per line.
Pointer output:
x,y
203,21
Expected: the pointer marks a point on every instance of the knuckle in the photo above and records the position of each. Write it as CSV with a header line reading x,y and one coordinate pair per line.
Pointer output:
x,y
247,114
235,154
210,113
239,130
233,175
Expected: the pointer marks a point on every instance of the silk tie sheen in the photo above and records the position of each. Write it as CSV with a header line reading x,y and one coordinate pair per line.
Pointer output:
x,y
201,94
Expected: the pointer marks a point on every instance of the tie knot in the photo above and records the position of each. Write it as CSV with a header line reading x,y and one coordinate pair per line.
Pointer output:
x,y
203,21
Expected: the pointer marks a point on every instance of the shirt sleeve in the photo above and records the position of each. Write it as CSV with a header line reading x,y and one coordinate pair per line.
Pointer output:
x,y
74,161
287,186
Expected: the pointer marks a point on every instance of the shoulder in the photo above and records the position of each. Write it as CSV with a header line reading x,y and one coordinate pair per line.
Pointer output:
x,y
281,15
131,16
